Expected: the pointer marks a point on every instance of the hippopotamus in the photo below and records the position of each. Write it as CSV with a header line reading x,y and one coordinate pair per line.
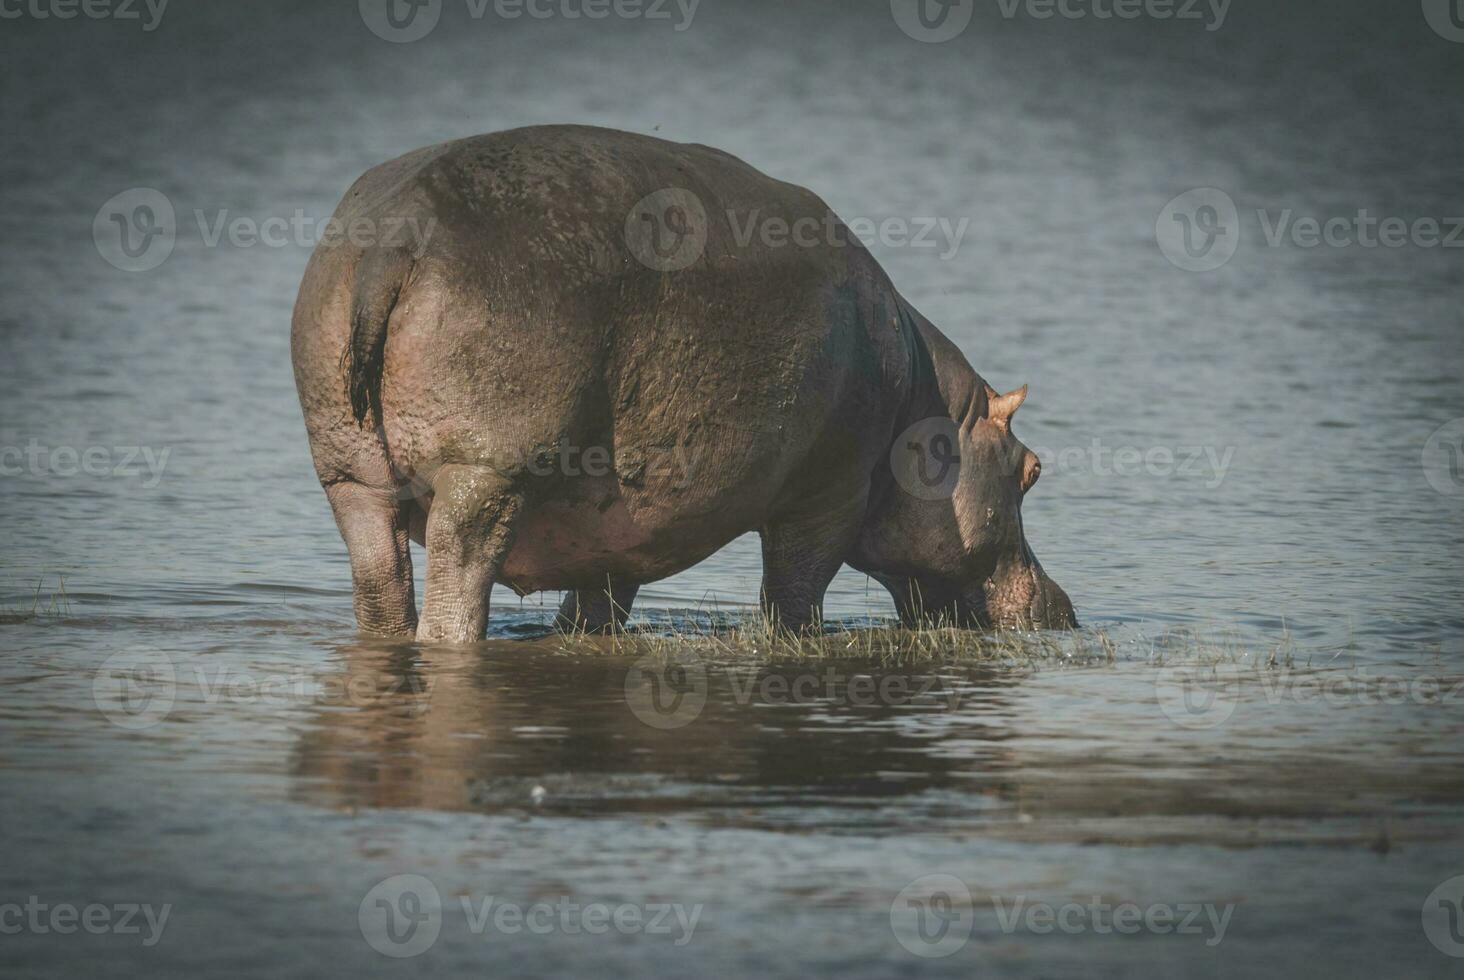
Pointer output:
x,y
573,358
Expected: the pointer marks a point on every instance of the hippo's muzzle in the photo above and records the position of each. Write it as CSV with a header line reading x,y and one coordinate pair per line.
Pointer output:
x,y
1051,609
1022,598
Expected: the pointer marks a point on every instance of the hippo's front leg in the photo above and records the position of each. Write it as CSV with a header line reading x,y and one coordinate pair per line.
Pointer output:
x,y
592,610
469,534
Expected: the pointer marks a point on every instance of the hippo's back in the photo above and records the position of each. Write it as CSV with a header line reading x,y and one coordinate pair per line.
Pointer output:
x,y
597,203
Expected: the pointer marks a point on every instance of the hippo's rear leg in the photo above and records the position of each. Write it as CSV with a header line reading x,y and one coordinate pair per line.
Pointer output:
x,y
374,527
801,556
592,610
469,534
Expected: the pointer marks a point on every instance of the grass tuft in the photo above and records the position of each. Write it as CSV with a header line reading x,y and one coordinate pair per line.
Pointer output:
x,y
755,638
56,606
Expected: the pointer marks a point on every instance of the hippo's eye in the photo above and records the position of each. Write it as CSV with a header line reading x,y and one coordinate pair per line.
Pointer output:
x,y
1031,470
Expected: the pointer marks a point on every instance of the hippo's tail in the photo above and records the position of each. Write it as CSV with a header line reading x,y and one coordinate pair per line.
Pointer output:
x,y
380,275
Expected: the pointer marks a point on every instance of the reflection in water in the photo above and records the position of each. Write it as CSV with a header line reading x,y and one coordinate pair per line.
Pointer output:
x,y
1055,752
483,727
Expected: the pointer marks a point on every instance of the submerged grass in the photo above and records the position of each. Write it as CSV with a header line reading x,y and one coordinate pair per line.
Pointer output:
x,y
755,638
750,637
56,606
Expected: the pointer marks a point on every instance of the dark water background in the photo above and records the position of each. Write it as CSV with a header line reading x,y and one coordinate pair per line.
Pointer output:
x,y
1319,376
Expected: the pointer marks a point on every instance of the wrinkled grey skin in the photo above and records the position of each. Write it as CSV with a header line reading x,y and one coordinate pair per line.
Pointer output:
x,y
445,376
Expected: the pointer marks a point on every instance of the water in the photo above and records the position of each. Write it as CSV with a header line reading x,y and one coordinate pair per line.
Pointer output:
x,y
1292,391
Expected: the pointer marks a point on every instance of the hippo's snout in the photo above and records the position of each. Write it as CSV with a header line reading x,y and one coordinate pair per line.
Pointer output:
x,y
1051,607
1024,598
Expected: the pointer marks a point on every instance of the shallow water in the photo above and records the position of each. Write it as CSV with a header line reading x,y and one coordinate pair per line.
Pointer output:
x,y
266,769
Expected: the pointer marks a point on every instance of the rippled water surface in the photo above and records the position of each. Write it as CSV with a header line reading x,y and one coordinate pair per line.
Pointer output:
x,y
1238,471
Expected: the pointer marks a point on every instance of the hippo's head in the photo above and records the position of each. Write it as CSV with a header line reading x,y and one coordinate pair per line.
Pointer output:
x,y
948,540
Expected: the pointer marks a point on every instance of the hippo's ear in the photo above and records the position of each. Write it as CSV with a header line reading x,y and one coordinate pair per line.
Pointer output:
x,y
1001,408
